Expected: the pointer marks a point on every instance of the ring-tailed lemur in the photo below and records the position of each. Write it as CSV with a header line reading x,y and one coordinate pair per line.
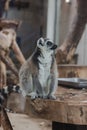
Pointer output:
x,y
38,75
4,92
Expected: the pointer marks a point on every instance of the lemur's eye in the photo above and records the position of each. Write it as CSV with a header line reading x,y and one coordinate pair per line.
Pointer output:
x,y
49,43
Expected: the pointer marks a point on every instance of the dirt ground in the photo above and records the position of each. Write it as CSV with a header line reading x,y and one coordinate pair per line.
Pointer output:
x,y
24,122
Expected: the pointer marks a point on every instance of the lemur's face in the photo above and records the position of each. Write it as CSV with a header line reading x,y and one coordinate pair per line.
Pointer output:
x,y
46,44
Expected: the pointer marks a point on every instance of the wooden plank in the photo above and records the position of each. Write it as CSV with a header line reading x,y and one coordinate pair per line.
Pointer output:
x,y
5,122
69,107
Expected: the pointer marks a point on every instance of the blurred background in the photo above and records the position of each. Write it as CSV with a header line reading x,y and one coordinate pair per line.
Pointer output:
x,y
47,18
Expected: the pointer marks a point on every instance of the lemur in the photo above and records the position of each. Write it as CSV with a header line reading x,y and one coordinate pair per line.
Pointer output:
x,y
38,75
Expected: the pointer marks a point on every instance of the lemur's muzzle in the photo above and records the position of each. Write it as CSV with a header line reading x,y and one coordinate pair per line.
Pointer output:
x,y
54,47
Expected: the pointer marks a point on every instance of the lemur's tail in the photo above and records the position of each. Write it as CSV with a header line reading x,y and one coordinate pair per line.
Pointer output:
x,y
5,91
9,89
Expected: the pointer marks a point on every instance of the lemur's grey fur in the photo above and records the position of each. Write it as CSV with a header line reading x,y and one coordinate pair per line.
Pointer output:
x,y
38,75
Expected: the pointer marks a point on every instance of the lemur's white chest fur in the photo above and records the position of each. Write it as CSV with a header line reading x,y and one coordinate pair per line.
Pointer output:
x,y
44,67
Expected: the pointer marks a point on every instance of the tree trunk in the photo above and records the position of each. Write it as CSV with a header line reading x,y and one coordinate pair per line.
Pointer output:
x,y
67,49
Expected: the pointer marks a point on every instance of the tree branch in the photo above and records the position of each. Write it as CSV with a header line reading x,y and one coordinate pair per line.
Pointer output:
x,y
67,49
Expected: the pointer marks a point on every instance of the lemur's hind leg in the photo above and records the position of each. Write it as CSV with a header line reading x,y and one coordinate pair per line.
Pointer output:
x,y
53,87
37,89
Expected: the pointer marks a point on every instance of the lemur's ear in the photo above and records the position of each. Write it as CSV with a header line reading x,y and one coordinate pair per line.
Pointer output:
x,y
40,40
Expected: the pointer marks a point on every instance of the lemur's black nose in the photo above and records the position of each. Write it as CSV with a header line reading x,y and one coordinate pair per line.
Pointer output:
x,y
54,47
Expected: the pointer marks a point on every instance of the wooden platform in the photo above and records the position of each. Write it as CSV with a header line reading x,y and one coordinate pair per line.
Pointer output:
x,y
70,107
71,104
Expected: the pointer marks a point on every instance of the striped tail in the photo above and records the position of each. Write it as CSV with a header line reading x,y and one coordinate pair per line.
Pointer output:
x,y
4,92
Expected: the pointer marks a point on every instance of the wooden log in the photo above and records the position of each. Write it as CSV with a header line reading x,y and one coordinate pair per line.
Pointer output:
x,y
67,49
5,122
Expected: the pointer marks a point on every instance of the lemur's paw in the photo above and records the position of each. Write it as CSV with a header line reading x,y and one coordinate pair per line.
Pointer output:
x,y
40,96
45,97
52,97
33,95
